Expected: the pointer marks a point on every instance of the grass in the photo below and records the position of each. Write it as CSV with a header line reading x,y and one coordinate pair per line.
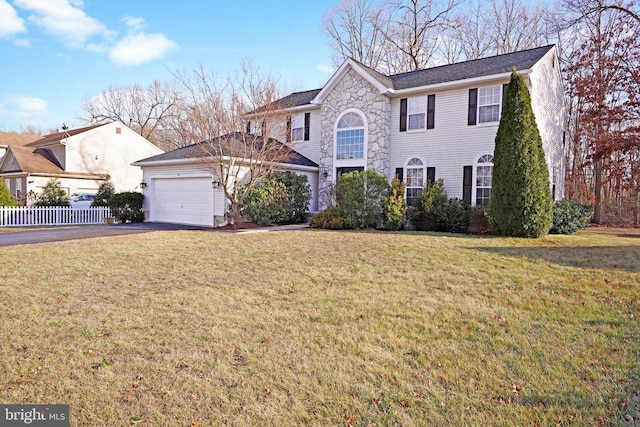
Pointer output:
x,y
188,328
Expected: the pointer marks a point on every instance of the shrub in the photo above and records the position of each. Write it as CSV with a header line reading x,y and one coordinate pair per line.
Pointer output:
x,y
395,207
569,217
479,221
299,191
520,203
330,219
280,198
359,197
5,196
433,195
127,206
105,191
451,215
53,194
264,204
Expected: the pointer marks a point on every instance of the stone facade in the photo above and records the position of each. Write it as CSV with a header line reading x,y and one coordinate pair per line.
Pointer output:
x,y
354,92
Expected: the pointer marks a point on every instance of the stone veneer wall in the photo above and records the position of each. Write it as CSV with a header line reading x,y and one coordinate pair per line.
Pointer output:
x,y
353,91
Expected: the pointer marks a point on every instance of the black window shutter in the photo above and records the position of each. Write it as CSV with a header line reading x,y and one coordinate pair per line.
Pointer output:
x,y
288,128
431,111
249,127
431,174
504,92
467,180
263,128
473,106
400,174
403,115
307,119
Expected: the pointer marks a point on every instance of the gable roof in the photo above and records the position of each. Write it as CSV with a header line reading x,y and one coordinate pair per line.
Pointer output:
x,y
522,60
58,136
10,138
204,149
461,71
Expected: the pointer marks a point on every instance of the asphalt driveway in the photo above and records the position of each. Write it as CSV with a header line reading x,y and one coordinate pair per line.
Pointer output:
x,y
85,232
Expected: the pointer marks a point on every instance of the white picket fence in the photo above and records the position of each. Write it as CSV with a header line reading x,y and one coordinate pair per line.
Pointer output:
x,y
52,215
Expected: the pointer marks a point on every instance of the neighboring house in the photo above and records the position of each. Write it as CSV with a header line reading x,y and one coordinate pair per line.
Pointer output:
x,y
80,158
437,123
180,186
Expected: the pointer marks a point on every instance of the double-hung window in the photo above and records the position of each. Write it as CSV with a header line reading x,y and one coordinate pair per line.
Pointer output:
x,y
297,127
489,99
414,181
417,113
484,173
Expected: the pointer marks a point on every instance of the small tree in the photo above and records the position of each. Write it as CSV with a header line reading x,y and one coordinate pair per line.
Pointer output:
x,y
520,204
359,196
395,207
53,194
5,196
105,191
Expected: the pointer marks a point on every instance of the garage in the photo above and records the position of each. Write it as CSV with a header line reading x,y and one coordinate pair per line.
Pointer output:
x,y
182,200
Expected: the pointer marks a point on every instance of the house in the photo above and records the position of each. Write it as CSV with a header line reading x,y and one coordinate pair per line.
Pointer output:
x,y
436,123
182,186
80,158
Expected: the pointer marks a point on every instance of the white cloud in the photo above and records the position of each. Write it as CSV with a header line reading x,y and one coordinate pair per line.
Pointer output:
x,y
10,22
64,20
327,69
134,23
24,106
136,49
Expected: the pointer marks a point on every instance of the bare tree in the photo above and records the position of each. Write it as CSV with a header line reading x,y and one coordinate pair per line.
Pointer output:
x,y
501,26
153,112
216,113
415,31
356,29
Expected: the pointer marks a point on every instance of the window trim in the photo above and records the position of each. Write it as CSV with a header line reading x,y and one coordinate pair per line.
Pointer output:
x,y
481,105
350,162
406,175
294,118
477,163
428,112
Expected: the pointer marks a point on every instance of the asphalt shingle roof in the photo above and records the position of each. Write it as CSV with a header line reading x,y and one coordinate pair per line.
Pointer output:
x,y
500,64
204,149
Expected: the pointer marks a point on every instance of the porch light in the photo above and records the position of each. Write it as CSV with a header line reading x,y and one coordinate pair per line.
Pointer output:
x,y
215,181
325,173
143,184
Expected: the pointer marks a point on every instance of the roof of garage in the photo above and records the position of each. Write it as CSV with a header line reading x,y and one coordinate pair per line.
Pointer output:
x,y
232,144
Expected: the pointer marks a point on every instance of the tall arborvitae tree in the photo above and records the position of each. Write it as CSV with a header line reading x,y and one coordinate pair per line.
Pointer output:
x,y
520,204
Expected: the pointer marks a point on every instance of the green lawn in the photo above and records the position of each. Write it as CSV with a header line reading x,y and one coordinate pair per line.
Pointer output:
x,y
325,328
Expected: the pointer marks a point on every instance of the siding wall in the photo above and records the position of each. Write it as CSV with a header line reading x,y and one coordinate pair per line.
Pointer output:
x,y
547,101
450,145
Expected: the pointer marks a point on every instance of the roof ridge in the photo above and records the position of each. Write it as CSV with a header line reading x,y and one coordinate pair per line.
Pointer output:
x,y
471,60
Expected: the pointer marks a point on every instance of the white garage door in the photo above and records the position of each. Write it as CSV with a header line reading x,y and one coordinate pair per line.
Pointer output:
x,y
182,201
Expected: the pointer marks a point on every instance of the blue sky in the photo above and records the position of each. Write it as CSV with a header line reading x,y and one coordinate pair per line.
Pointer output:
x,y
56,53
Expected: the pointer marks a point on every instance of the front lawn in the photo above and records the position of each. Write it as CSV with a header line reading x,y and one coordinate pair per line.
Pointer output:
x,y
323,328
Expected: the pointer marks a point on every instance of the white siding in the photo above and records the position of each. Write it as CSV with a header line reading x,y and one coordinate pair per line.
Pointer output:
x,y
547,101
105,151
452,143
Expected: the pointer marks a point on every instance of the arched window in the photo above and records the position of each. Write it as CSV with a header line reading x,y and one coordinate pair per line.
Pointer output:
x,y
484,173
350,137
414,181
